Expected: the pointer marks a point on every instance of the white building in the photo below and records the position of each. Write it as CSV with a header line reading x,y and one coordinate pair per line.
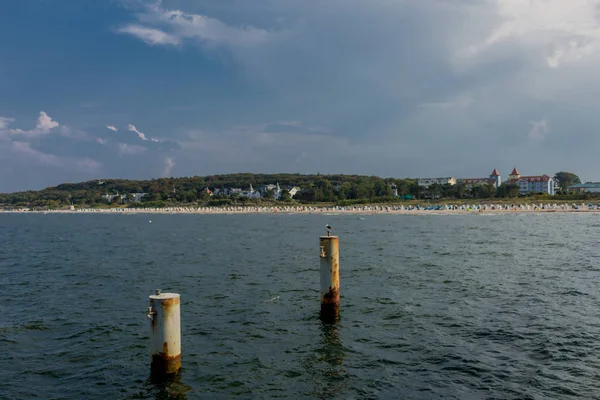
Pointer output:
x,y
294,190
111,197
532,184
275,188
137,197
251,193
426,182
493,179
536,184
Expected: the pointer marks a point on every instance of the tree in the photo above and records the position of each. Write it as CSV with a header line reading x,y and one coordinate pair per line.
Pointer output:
x,y
508,190
382,189
566,179
460,189
344,191
324,190
152,197
203,196
416,190
435,190
480,191
447,190
285,195
403,187
269,195
490,190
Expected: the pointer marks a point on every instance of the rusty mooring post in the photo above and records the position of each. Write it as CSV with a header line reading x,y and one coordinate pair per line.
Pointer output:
x,y
330,277
165,339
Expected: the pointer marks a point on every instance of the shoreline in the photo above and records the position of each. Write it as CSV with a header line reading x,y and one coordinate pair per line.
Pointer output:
x,y
399,210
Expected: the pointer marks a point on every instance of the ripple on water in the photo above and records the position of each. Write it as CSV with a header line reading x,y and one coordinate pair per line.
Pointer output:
x,y
449,307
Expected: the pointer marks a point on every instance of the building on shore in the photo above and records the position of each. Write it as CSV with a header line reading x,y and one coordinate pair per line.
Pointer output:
x,y
274,188
109,198
426,182
293,190
494,179
251,193
588,187
137,197
532,184
254,193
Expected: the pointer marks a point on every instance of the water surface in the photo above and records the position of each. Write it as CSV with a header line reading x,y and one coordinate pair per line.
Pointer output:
x,y
433,306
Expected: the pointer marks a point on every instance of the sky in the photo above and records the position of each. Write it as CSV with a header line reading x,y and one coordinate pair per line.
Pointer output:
x,y
142,89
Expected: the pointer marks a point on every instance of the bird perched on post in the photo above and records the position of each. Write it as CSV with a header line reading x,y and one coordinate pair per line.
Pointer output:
x,y
329,229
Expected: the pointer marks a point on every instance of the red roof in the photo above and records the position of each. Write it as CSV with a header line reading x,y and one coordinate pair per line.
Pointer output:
x,y
495,172
539,178
515,172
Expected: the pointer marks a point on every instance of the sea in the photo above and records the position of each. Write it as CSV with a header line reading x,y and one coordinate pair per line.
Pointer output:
x,y
433,306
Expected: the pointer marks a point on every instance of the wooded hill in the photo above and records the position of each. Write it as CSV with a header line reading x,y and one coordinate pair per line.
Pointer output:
x,y
340,189
315,188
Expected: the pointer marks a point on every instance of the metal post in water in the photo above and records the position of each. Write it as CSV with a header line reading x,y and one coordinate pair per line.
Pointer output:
x,y
165,340
330,277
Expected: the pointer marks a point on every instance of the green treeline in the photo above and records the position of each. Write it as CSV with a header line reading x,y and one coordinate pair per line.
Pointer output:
x,y
340,189
314,188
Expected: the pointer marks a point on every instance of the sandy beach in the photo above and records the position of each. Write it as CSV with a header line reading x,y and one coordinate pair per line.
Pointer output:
x,y
367,209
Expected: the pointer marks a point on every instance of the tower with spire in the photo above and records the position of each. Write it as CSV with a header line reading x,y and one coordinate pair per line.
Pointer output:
x,y
514,176
495,178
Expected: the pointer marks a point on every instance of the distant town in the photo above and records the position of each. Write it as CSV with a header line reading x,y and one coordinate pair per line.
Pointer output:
x,y
246,189
274,192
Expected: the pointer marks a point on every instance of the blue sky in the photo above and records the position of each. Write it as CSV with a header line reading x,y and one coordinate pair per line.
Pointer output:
x,y
395,88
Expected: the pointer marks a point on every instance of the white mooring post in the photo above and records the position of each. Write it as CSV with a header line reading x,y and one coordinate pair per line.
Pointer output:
x,y
330,277
165,340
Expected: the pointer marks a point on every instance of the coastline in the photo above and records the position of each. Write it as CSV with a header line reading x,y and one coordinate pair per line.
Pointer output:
x,y
400,210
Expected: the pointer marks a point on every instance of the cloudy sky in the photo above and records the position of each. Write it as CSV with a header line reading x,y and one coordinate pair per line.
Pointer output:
x,y
396,88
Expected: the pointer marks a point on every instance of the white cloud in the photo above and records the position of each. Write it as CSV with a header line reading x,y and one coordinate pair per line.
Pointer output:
x,y
129,149
101,141
171,27
539,130
141,135
557,31
44,126
45,123
150,36
574,50
112,128
169,164
4,122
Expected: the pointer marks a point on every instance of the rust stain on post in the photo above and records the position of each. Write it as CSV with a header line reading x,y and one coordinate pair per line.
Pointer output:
x,y
164,313
162,364
330,278
168,303
330,305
